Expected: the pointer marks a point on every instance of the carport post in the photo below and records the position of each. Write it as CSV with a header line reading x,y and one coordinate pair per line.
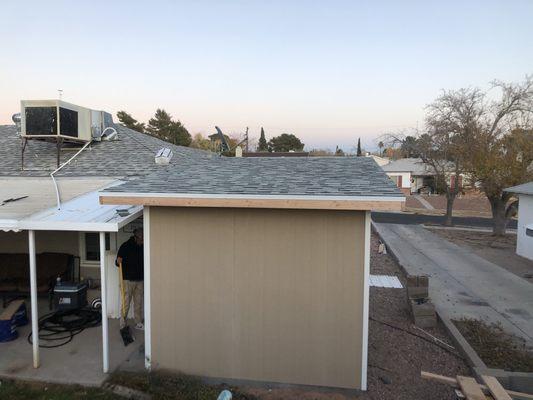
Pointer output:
x,y
103,295
33,296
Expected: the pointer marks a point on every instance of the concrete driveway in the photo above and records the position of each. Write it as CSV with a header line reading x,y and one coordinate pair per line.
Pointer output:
x,y
462,284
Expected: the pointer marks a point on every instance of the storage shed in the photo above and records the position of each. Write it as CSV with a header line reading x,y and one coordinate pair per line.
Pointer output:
x,y
524,240
257,268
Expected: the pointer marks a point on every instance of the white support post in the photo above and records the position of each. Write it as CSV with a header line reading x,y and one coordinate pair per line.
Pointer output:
x,y
147,287
103,296
34,304
366,299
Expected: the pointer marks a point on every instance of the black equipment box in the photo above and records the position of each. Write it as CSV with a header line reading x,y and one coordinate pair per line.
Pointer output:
x,y
70,296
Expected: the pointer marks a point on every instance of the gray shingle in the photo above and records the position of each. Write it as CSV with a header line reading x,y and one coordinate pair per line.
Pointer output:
x,y
130,156
313,176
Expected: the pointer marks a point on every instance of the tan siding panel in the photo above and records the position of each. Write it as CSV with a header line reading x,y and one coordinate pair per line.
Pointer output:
x,y
268,295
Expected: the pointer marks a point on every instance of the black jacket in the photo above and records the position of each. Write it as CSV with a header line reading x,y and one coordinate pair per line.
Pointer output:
x,y
132,260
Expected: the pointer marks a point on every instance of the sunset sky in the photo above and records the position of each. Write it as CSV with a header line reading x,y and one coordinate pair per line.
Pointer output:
x,y
327,71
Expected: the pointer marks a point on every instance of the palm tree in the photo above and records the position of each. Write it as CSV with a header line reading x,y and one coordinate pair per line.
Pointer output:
x,y
380,145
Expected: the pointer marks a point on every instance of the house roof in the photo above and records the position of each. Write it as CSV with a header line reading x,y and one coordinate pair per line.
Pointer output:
x,y
253,179
131,155
526,188
413,165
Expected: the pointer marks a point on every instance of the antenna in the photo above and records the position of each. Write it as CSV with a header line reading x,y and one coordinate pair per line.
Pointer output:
x,y
225,146
60,91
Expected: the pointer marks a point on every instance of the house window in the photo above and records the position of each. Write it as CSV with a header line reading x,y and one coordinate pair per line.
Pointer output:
x,y
91,250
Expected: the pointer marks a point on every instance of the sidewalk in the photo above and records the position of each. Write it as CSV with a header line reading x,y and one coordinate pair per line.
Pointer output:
x,y
462,284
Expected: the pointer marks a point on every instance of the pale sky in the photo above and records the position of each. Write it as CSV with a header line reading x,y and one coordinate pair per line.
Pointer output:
x,y
327,71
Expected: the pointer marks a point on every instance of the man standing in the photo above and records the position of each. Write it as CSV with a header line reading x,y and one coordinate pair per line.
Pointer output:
x,y
131,255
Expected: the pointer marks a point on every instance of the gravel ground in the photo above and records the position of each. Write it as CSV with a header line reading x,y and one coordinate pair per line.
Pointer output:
x,y
497,348
498,250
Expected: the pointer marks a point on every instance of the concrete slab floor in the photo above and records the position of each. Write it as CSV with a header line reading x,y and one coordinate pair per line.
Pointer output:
x,y
461,283
78,362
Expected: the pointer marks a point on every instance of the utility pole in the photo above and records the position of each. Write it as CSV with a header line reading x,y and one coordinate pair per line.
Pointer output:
x,y
60,91
246,138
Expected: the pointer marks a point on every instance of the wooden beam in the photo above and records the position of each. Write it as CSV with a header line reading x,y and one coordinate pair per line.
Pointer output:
x,y
359,205
495,388
470,388
453,383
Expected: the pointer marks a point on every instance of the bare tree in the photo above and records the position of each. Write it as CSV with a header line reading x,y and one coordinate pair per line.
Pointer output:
x,y
502,147
451,122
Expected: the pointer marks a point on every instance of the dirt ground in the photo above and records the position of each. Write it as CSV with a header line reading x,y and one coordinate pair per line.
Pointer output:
x,y
497,348
474,205
498,250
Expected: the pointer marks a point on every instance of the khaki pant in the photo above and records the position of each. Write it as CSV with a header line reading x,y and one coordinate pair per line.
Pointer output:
x,y
134,290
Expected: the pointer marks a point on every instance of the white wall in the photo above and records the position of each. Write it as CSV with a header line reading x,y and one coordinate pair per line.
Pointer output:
x,y
406,178
524,244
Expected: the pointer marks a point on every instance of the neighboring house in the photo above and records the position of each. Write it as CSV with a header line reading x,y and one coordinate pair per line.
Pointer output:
x,y
381,161
281,294
275,154
254,269
524,241
411,175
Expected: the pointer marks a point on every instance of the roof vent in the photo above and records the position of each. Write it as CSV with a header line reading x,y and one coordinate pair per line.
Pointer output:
x,y
163,156
16,119
109,133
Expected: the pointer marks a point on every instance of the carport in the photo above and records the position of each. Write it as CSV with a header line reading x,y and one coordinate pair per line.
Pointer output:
x,y
81,214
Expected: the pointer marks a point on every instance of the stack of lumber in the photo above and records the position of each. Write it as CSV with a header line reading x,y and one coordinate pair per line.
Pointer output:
x,y
418,295
470,389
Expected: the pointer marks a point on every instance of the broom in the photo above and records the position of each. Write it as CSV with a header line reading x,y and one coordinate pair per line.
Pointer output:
x,y
125,332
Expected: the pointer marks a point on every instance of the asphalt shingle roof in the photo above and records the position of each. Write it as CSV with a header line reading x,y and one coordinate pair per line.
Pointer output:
x,y
312,176
132,155
414,165
193,171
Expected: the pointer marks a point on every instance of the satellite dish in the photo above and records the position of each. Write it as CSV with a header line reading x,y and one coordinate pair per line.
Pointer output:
x,y
225,146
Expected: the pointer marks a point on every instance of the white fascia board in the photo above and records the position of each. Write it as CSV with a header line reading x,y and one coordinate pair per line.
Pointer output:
x,y
251,196
69,226
7,225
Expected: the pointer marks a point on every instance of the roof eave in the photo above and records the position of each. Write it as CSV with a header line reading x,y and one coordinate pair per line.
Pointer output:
x,y
354,203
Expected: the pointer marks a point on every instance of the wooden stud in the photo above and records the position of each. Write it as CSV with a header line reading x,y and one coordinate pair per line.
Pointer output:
x,y
495,388
453,383
470,388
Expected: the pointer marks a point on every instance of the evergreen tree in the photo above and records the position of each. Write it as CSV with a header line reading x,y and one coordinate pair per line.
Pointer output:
x,y
262,145
163,127
129,122
285,142
359,152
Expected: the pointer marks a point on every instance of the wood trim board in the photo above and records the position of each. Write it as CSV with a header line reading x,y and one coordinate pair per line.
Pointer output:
x,y
357,205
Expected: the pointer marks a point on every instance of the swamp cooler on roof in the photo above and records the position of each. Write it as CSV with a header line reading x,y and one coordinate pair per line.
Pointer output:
x,y
48,119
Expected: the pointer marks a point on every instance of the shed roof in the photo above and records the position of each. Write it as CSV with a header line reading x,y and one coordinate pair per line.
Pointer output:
x,y
251,179
525,188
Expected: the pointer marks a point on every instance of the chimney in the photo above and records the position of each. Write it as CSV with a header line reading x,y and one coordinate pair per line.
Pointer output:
x,y
238,151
